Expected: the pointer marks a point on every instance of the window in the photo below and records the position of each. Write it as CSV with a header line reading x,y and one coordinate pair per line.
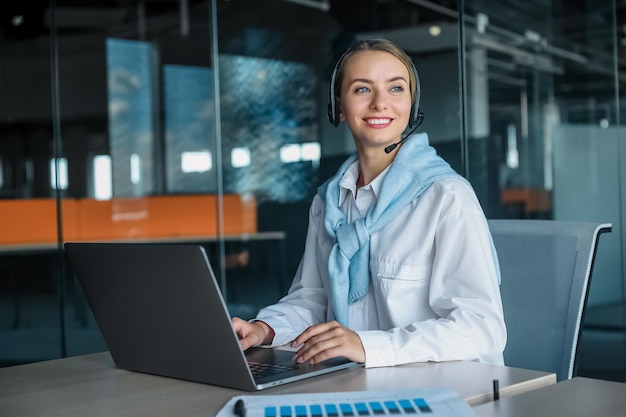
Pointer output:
x,y
309,151
103,187
290,153
240,157
198,161
135,168
58,179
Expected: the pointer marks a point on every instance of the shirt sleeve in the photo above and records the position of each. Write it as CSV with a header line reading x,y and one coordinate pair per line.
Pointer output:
x,y
306,302
464,295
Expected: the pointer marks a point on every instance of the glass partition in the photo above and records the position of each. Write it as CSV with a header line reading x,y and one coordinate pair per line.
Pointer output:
x,y
545,105
30,311
205,121
542,89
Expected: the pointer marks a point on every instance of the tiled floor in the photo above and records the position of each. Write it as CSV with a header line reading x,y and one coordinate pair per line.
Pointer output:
x,y
602,351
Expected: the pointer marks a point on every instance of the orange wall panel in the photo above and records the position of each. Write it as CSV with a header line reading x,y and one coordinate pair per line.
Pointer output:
x,y
120,218
178,216
27,221
35,220
239,215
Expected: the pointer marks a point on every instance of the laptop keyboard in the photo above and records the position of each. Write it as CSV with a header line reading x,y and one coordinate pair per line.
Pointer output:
x,y
260,370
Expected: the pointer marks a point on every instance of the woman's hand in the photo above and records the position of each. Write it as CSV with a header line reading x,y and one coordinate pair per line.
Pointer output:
x,y
252,334
328,340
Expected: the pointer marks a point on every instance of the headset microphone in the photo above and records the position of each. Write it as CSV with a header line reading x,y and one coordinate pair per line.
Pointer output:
x,y
420,119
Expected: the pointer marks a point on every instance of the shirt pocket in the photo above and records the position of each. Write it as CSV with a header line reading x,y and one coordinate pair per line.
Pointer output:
x,y
401,292
401,273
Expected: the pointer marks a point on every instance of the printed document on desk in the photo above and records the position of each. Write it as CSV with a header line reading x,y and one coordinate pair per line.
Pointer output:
x,y
431,401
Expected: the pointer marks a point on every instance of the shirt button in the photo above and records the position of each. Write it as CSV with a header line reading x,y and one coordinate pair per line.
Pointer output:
x,y
379,360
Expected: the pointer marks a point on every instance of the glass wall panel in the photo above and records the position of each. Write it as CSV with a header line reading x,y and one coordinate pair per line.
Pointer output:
x,y
205,121
543,102
275,62
543,78
137,128
30,314
88,92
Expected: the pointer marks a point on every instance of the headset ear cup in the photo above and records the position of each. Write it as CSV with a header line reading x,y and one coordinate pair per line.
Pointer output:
x,y
333,116
333,113
415,117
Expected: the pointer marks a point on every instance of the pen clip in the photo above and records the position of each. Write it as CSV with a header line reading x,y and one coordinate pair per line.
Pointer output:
x,y
496,389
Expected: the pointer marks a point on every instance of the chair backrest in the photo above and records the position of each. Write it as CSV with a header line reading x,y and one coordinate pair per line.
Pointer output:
x,y
546,268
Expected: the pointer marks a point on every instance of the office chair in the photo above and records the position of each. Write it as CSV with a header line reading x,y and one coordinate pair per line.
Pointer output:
x,y
546,268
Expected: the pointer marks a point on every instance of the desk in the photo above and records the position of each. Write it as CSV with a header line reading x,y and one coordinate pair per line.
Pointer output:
x,y
46,247
90,385
576,397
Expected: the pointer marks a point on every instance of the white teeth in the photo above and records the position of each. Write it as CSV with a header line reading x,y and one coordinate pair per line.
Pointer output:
x,y
378,121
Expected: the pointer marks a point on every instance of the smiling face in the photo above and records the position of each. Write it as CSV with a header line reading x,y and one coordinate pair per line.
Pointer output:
x,y
375,98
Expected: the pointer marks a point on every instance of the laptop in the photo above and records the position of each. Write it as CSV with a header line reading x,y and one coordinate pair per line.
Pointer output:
x,y
160,311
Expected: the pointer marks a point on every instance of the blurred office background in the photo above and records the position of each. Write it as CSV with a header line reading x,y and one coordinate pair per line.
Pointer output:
x,y
205,121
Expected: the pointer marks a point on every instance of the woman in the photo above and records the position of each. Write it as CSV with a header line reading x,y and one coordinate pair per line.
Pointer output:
x,y
399,265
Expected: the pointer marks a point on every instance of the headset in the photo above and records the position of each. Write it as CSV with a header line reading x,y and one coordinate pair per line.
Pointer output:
x,y
415,119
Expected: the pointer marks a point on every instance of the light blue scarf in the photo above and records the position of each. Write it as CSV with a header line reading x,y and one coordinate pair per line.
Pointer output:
x,y
415,167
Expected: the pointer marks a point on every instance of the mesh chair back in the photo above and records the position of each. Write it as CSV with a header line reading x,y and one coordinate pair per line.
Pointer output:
x,y
546,268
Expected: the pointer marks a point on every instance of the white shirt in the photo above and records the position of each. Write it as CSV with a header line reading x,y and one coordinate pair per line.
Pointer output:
x,y
433,290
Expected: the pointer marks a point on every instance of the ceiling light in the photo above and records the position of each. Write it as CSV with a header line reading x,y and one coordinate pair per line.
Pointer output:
x,y
434,30
482,20
17,20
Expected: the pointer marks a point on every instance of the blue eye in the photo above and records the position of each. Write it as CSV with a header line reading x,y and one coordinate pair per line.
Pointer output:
x,y
362,90
397,89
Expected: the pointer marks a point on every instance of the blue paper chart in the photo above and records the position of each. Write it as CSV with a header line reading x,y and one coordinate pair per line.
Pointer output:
x,y
370,408
431,401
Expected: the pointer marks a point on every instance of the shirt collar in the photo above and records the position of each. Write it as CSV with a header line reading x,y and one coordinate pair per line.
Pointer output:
x,y
348,182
